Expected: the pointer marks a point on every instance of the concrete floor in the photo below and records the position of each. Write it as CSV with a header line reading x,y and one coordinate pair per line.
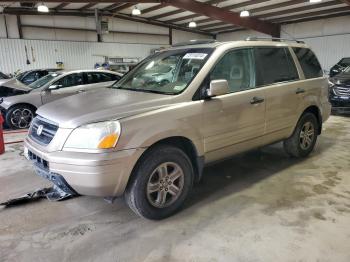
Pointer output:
x,y
259,206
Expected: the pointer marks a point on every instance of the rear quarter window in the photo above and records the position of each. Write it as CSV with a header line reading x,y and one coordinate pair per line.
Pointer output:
x,y
308,62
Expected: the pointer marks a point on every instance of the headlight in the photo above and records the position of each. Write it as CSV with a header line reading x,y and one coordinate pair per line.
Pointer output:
x,y
101,135
330,83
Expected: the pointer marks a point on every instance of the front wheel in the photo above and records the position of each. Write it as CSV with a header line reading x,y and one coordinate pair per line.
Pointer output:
x,y
19,117
304,137
160,183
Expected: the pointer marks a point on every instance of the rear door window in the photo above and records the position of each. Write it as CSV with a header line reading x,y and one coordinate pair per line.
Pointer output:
x,y
308,62
275,65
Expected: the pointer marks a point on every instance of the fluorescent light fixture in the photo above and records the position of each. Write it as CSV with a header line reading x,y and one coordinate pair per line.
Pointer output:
x,y
136,11
42,8
192,24
315,1
245,13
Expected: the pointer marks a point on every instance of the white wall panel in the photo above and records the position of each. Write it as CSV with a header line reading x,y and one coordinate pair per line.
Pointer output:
x,y
183,36
239,35
74,55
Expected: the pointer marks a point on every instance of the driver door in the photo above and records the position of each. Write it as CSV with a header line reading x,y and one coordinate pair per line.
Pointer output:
x,y
66,86
234,122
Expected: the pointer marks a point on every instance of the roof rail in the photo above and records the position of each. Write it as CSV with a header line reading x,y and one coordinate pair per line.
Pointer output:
x,y
254,38
196,42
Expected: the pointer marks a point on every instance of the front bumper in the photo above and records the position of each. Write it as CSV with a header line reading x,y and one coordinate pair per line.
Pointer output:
x,y
94,174
340,102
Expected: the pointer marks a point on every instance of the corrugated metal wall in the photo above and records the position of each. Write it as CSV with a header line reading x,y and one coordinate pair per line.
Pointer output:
x,y
74,55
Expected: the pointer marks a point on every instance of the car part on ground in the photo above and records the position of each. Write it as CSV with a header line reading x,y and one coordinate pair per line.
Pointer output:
x,y
149,139
51,193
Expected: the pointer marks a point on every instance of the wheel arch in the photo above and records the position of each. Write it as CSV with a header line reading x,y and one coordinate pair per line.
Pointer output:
x,y
183,143
23,104
316,111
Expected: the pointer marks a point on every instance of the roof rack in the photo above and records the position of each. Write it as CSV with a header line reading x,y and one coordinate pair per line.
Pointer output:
x,y
254,38
196,42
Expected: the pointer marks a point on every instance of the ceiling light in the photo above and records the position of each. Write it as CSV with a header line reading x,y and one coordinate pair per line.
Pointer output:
x,y
192,24
136,11
315,1
43,8
245,13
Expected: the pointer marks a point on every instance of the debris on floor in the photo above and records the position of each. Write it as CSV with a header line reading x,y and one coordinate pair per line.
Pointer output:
x,y
53,193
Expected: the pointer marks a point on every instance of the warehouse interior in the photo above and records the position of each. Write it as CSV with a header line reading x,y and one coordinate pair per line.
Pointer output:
x,y
259,204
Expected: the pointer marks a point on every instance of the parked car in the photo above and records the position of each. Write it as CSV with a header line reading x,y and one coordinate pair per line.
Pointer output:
x,y
20,110
339,94
340,66
19,84
149,141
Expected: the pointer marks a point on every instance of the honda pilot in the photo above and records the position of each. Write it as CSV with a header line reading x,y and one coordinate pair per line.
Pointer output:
x,y
148,139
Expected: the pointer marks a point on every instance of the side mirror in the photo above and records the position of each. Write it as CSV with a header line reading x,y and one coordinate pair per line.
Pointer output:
x,y
218,88
53,87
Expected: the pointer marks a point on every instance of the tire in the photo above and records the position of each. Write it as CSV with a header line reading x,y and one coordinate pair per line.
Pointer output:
x,y
19,117
147,186
297,145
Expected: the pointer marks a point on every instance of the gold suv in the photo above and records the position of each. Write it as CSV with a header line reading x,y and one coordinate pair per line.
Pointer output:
x,y
148,136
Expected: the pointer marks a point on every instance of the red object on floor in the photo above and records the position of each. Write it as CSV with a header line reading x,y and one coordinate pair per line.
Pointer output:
x,y
2,144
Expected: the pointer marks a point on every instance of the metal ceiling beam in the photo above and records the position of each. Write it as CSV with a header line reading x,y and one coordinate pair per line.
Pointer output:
x,y
111,7
229,7
60,6
310,14
88,6
227,16
346,1
181,10
154,8
298,9
90,1
122,7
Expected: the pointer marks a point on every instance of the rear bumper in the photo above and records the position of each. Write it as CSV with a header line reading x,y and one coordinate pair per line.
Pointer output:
x,y
95,174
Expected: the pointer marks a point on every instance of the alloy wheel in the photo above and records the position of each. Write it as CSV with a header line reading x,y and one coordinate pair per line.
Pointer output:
x,y
307,135
21,118
165,185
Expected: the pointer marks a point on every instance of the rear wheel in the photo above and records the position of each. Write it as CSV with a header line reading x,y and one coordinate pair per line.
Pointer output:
x,y
160,183
304,137
19,117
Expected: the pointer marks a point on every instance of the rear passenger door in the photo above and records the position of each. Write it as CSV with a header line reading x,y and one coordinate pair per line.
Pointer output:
x,y
234,122
278,77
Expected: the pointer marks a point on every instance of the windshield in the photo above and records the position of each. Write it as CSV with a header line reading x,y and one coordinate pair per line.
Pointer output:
x,y
345,62
43,81
168,72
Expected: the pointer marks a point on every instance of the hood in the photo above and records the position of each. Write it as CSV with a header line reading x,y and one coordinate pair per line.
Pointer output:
x,y
100,105
15,84
342,79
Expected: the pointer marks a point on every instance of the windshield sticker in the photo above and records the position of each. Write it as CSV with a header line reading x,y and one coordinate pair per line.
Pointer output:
x,y
199,56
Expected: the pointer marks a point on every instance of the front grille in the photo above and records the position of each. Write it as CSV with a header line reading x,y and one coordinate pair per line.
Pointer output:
x,y
47,133
38,160
342,91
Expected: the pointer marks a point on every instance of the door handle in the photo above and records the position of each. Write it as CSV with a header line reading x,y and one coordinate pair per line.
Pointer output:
x,y
300,91
81,91
257,100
